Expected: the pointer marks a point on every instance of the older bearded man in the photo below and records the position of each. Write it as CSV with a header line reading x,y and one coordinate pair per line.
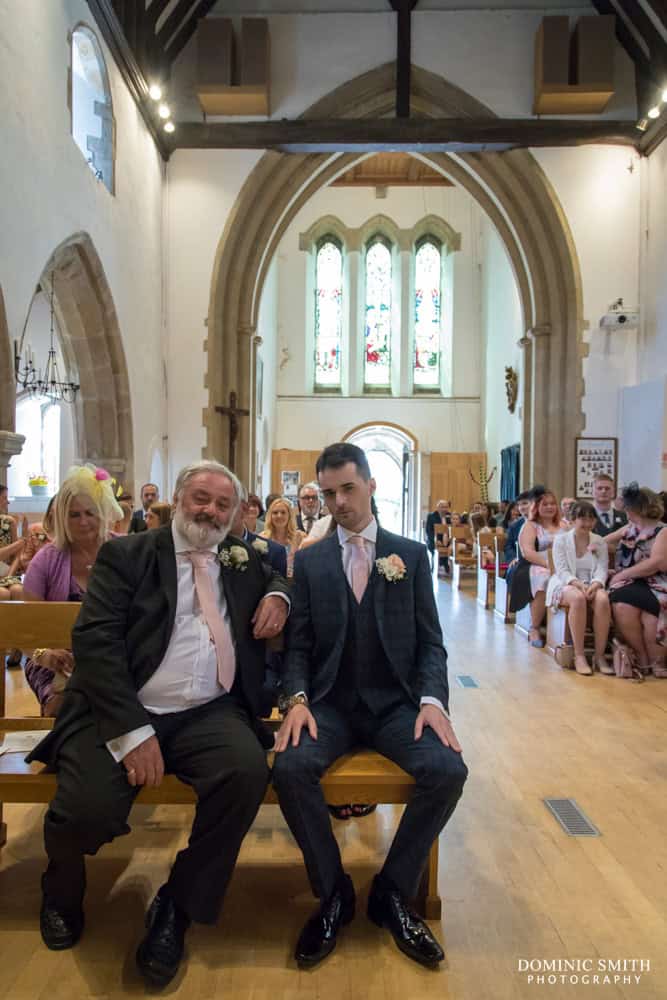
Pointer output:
x,y
168,677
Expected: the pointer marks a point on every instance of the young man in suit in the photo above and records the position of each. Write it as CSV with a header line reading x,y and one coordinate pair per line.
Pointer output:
x,y
608,518
149,494
169,672
365,664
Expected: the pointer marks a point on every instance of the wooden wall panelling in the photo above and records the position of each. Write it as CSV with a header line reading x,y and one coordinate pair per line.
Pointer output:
x,y
450,478
288,459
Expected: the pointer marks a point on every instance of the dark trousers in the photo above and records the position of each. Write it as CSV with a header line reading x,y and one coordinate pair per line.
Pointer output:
x,y
214,749
439,773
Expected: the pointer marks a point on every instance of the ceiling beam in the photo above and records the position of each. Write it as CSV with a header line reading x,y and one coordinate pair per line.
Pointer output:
x,y
181,39
402,134
179,15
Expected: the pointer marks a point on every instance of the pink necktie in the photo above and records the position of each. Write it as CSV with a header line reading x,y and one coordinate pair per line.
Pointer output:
x,y
358,568
217,626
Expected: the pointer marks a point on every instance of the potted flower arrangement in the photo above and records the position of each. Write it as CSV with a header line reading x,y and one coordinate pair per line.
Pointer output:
x,y
39,485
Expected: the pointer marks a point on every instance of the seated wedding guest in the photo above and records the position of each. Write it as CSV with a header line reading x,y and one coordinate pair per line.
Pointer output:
x,y
565,505
578,584
531,577
169,667
441,515
83,511
270,498
513,528
254,516
149,494
464,545
309,507
271,552
280,526
608,518
122,527
501,513
638,589
158,514
10,547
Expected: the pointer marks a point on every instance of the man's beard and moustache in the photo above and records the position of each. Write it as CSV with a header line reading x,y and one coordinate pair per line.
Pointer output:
x,y
201,530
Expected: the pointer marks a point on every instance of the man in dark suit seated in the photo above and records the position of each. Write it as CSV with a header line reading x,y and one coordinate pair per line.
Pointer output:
x,y
149,494
365,665
309,507
609,519
169,671
441,515
514,530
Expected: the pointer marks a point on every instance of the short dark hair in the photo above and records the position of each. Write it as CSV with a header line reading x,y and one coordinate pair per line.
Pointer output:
x,y
537,492
254,499
148,484
270,498
582,508
3,489
643,501
336,455
523,496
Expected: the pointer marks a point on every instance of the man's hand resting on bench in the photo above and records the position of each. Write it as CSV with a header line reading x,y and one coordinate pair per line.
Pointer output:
x,y
144,764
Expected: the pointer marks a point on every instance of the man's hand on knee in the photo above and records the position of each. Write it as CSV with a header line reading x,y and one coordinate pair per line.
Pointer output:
x,y
144,764
430,715
290,731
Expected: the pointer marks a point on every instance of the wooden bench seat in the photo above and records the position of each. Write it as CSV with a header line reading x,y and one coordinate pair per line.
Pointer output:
x,y
361,776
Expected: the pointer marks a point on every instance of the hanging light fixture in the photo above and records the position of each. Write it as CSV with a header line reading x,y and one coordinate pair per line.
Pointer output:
x,y
48,385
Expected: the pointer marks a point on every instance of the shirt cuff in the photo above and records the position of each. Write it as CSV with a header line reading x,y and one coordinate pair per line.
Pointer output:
x,y
122,745
427,700
278,593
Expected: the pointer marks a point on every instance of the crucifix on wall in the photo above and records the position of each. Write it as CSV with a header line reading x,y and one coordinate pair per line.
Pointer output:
x,y
233,412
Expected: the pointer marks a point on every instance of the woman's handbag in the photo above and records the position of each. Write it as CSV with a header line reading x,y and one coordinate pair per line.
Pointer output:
x,y
564,655
625,662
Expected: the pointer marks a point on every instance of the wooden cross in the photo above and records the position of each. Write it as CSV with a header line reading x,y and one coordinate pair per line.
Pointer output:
x,y
233,412
403,10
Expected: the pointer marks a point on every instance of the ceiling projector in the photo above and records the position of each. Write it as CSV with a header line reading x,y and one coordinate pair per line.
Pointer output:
x,y
619,317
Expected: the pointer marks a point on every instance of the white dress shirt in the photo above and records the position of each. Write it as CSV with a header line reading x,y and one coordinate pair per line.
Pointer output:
x,y
369,534
188,674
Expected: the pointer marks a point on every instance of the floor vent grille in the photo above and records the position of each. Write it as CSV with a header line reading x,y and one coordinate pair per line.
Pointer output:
x,y
571,818
466,681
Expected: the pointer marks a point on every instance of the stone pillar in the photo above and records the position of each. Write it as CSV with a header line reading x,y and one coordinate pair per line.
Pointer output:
x,y
544,418
526,402
10,444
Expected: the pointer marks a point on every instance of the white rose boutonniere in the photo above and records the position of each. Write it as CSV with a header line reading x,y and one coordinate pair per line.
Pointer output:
x,y
392,568
236,557
261,546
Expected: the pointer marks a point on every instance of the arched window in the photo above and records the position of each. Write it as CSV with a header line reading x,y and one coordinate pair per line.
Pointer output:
x,y
428,312
39,421
377,347
328,313
92,112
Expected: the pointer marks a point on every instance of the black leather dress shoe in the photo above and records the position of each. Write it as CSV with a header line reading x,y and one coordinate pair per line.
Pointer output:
x,y
159,954
318,937
386,908
60,930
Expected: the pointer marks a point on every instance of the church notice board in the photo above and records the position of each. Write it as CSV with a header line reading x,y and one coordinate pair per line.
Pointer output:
x,y
593,456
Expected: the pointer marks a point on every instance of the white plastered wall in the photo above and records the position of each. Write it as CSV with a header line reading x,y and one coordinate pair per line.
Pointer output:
x,y
48,193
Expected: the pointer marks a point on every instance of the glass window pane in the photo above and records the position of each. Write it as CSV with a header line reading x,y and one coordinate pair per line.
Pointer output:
x,y
328,314
427,317
377,361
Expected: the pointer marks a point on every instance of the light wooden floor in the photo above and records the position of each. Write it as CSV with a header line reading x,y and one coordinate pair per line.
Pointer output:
x,y
513,885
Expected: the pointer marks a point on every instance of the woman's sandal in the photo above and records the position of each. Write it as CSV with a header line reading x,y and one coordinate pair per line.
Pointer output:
x,y
352,811
341,812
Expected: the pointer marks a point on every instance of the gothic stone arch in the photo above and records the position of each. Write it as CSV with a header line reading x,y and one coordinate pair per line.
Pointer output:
x,y
94,356
515,194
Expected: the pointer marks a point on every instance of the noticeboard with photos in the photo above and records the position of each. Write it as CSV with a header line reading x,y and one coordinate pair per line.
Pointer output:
x,y
593,456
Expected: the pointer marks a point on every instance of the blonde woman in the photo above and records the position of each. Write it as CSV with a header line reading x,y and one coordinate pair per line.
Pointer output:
x,y
280,526
83,511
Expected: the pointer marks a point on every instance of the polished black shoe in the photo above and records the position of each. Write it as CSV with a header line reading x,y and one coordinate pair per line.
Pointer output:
x,y
318,937
159,954
59,930
386,908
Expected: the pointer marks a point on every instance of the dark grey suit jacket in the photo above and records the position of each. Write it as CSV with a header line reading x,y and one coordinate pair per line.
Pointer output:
x,y
137,523
406,614
125,625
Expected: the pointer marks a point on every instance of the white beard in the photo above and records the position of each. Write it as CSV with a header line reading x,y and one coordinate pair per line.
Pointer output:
x,y
200,534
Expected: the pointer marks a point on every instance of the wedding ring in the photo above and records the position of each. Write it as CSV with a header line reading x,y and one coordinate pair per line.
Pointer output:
x,y
131,770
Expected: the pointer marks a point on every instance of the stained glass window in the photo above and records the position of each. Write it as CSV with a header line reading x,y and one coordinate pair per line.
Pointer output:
x,y
427,316
328,313
377,360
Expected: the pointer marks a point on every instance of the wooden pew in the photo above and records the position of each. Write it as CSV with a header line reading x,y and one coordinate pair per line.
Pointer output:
x,y
501,590
361,776
443,543
462,553
485,568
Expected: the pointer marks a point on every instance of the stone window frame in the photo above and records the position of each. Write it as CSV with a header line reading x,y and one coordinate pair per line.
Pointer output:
x,y
81,26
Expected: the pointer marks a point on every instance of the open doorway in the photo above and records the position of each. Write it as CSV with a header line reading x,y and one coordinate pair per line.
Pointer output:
x,y
391,455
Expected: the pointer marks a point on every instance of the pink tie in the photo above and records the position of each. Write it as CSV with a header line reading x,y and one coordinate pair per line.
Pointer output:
x,y
358,568
217,626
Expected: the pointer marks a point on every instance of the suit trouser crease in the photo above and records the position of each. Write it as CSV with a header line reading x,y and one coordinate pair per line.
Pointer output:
x,y
211,748
439,774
